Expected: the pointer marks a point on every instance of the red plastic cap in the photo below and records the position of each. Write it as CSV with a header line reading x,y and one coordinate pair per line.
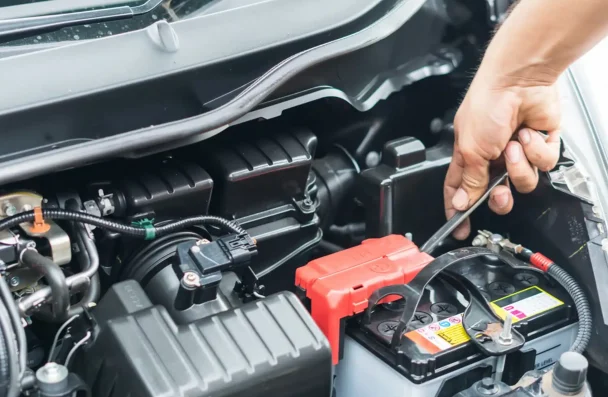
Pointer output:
x,y
541,262
340,284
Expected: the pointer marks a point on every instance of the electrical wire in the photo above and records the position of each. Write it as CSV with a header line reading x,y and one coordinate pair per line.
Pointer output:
x,y
59,331
149,231
76,346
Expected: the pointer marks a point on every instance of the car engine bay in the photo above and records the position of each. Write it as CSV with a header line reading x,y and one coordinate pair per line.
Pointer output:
x,y
285,254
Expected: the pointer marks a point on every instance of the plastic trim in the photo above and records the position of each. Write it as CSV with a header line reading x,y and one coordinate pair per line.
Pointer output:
x,y
215,119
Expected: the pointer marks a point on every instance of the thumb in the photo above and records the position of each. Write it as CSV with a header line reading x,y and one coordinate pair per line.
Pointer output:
x,y
475,179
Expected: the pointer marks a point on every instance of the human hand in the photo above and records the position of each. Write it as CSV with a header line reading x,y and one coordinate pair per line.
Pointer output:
x,y
499,122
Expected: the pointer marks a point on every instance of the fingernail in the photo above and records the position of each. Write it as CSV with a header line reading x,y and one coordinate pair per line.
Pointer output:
x,y
501,200
460,200
524,136
513,153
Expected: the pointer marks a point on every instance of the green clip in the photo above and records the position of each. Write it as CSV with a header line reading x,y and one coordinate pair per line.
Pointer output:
x,y
148,226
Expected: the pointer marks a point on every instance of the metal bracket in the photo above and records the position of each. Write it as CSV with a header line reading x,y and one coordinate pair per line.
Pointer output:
x,y
480,321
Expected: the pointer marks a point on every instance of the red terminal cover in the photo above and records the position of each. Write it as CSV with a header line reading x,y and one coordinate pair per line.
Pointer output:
x,y
340,284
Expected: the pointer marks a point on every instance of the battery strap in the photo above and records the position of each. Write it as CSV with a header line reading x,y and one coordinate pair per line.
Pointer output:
x,y
480,321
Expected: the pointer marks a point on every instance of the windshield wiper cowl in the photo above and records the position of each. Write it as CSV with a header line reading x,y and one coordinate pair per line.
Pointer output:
x,y
33,24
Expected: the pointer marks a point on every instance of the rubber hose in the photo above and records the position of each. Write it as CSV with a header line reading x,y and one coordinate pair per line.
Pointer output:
x,y
13,312
55,279
585,321
5,375
12,361
75,216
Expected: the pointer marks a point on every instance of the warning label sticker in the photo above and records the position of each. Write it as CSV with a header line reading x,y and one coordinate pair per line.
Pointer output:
x,y
449,333
525,304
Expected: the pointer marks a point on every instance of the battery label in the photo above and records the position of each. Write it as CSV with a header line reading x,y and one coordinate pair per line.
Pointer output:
x,y
448,333
525,304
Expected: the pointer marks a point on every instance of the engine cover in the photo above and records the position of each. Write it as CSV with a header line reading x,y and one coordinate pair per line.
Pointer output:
x,y
259,349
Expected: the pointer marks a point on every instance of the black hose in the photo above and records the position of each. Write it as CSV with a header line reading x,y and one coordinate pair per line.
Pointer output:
x,y
5,373
55,279
12,356
585,321
136,231
13,312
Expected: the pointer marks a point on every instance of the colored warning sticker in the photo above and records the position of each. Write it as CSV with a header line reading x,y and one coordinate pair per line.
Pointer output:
x,y
525,304
448,333
441,335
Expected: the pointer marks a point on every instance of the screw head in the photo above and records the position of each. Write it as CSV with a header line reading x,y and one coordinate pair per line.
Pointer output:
x,y
526,279
501,288
444,309
195,249
14,281
387,328
191,279
307,203
10,209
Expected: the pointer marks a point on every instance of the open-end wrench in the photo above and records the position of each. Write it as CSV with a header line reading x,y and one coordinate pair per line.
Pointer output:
x,y
459,217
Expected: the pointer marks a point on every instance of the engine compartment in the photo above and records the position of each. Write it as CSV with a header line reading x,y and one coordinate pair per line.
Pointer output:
x,y
281,256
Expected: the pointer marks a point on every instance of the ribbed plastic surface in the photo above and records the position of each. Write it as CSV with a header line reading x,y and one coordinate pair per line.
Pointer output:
x,y
269,347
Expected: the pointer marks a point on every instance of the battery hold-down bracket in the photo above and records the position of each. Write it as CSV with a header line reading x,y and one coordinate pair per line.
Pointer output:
x,y
483,326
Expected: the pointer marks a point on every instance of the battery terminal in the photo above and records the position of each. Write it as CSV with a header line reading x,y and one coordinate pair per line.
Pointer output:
x,y
496,242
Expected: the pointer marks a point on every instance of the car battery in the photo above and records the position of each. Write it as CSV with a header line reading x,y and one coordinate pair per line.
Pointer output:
x,y
435,356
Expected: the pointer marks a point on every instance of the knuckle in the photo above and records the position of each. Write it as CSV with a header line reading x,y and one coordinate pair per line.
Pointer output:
x,y
472,182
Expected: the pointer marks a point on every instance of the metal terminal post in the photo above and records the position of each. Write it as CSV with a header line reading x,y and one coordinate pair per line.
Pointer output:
x,y
495,242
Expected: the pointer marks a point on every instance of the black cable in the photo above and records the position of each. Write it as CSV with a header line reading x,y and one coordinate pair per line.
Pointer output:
x,y
136,231
585,320
13,312
14,384
55,279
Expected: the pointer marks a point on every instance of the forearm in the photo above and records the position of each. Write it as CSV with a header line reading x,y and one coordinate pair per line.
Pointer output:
x,y
541,38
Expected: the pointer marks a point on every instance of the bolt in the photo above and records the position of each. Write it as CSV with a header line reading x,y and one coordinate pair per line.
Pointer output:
x,y
487,387
195,249
506,337
307,203
372,159
14,281
9,209
191,279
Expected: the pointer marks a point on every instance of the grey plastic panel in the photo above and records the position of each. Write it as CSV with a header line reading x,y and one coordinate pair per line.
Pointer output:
x,y
258,350
197,127
81,68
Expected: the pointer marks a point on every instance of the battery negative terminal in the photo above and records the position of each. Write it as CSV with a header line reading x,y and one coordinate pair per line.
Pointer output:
x,y
496,242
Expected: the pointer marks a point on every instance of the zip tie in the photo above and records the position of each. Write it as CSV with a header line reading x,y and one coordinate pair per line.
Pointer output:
x,y
148,226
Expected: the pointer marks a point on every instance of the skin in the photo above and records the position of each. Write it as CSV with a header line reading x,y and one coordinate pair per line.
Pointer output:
x,y
513,96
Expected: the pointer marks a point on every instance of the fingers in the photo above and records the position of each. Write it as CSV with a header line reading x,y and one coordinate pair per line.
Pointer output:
x,y
523,175
474,179
542,152
452,182
501,200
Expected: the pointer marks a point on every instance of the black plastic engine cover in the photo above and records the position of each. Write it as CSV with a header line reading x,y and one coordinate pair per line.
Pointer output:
x,y
265,348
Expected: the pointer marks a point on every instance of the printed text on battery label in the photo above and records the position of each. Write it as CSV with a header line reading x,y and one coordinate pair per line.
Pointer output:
x,y
448,333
